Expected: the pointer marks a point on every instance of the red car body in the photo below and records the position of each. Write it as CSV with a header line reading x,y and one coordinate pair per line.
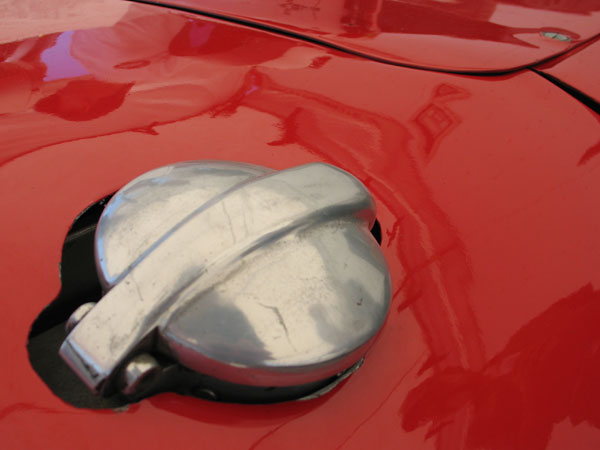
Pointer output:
x,y
487,183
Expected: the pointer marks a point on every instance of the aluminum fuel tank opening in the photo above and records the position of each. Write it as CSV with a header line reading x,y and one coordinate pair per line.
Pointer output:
x,y
233,282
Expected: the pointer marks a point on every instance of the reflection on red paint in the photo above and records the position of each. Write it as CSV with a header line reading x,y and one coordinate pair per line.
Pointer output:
x,y
21,63
591,152
547,373
436,119
359,19
445,35
207,40
63,64
468,19
83,100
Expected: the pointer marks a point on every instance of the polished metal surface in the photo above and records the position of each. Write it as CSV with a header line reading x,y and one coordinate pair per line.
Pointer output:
x,y
140,371
236,272
78,315
150,206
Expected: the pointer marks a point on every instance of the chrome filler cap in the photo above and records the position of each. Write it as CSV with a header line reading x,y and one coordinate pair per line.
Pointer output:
x,y
247,277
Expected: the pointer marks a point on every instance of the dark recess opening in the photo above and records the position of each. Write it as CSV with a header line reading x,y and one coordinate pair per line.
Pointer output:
x,y
376,231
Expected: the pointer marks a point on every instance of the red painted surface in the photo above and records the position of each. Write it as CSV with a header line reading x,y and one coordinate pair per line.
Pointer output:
x,y
578,69
458,35
490,225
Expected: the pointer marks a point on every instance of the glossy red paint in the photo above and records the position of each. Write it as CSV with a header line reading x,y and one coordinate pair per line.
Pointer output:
x,y
578,69
490,225
459,35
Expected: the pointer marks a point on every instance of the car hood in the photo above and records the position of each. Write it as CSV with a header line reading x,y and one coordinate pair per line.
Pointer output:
x,y
486,190
456,36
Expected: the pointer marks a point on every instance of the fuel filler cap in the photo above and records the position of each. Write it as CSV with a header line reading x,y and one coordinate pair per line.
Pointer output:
x,y
233,282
